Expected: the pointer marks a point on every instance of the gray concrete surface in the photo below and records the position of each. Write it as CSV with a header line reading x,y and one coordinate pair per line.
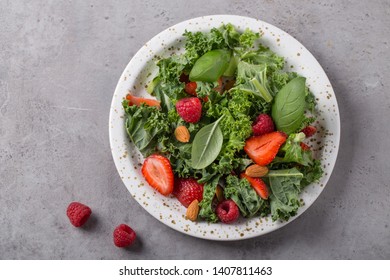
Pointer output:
x,y
59,64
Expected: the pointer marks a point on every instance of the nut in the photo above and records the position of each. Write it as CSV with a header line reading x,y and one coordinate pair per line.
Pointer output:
x,y
256,171
193,210
219,193
182,134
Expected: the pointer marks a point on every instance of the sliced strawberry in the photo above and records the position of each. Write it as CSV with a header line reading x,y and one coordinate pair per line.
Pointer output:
x,y
263,149
187,190
309,131
258,184
158,173
190,88
134,100
304,147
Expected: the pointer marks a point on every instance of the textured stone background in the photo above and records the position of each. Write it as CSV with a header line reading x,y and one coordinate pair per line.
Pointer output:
x,y
59,64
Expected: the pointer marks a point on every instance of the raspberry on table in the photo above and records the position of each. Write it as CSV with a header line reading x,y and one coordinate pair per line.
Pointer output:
x,y
262,125
78,213
124,236
189,109
227,211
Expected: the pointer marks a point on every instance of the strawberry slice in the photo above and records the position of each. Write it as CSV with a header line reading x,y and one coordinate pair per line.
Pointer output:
x,y
263,149
158,173
134,100
258,184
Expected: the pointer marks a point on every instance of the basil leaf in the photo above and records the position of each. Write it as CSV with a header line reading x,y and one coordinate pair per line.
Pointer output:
x,y
206,145
210,66
289,106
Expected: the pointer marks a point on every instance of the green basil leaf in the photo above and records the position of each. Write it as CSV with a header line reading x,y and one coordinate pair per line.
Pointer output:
x,y
206,145
289,106
210,66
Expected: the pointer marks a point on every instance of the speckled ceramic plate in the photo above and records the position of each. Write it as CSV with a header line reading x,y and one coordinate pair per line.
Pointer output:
x,y
142,68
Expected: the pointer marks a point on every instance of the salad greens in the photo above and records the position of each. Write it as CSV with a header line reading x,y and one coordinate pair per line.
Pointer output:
x,y
215,153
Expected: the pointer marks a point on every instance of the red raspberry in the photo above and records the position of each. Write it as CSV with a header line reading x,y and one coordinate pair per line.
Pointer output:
x,y
227,211
189,109
262,125
309,131
78,213
187,190
124,236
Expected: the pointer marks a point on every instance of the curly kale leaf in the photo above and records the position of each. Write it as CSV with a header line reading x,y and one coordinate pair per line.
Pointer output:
x,y
144,125
246,198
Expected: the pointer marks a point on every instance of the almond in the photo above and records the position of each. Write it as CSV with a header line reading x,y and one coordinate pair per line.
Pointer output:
x,y
219,193
256,171
182,134
193,210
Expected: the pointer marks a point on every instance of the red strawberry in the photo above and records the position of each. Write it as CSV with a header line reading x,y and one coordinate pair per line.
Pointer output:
x,y
262,125
134,100
258,184
304,147
263,149
189,109
227,211
190,88
309,131
158,173
187,190
124,236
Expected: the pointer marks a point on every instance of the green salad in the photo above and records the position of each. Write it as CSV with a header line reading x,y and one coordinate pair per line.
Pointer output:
x,y
227,123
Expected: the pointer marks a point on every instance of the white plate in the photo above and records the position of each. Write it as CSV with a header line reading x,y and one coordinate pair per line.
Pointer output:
x,y
141,69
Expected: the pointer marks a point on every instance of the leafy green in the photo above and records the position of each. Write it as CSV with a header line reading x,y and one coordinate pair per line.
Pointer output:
x,y
198,43
311,173
206,207
206,145
285,188
143,125
253,78
210,66
289,106
293,152
264,56
246,198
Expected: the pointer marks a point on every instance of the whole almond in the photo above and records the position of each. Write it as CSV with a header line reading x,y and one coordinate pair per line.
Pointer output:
x,y
219,193
193,210
256,171
182,134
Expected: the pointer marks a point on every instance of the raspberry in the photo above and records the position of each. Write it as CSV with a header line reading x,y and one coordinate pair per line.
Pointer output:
x,y
262,125
124,236
227,211
187,190
189,109
78,213
309,131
